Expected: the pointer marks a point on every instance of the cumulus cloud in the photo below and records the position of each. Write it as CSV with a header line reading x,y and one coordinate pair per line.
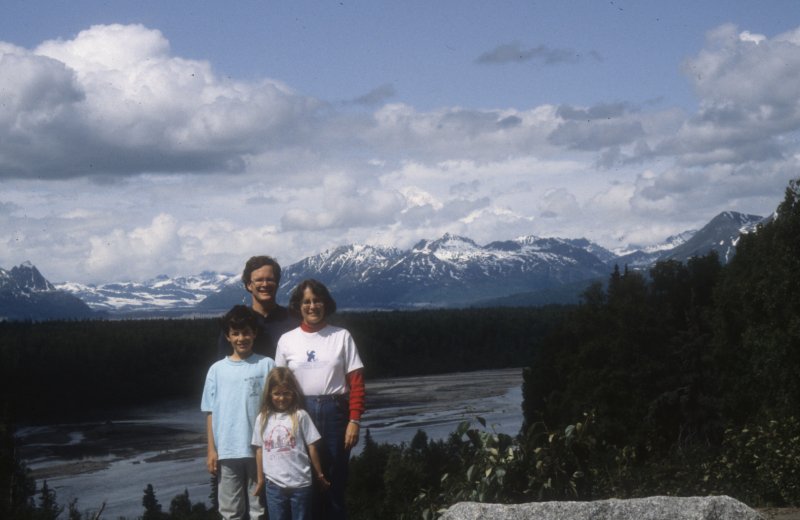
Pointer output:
x,y
558,203
749,88
344,203
459,133
119,250
597,127
102,135
596,135
113,100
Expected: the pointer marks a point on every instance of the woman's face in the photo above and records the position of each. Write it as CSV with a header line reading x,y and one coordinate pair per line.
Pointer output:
x,y
312,308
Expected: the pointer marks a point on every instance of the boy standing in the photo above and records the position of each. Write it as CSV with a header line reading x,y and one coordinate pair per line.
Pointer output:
x,y
231,401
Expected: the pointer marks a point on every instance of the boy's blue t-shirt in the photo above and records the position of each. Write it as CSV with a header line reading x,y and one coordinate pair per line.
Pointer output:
x,y
232,394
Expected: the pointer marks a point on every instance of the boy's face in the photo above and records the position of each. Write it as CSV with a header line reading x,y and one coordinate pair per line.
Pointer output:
x,y
242,341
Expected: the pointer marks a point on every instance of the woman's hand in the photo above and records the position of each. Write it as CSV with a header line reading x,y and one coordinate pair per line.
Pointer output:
x,y
351,435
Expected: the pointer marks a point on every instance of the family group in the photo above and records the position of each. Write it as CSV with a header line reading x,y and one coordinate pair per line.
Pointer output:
x,y
283,404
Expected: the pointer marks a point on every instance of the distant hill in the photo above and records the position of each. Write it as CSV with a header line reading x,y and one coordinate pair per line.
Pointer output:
x,y
26,295
451,271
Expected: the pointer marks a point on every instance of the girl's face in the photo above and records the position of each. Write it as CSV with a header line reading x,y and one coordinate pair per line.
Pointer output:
x,y
282,398
312,308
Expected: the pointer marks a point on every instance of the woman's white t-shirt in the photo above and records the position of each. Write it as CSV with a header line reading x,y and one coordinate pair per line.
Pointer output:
x,y
319,360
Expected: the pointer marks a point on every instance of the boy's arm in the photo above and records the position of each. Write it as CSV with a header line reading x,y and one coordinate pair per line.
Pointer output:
x,y
316,467
260,472
211,458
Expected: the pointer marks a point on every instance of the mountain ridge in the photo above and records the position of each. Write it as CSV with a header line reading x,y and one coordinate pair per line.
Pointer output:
x,y
451,270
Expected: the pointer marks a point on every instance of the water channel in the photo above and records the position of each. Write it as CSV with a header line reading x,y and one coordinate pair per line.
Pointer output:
x,y
112,461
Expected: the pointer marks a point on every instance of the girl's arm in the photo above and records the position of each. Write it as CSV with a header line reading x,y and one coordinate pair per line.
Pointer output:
x,y
260,470
316,467
212,463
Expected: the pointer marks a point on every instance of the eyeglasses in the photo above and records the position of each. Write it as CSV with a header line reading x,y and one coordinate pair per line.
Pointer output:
x,y
262,281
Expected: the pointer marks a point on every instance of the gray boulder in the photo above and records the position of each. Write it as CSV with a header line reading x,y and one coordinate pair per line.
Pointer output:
x,y
652,508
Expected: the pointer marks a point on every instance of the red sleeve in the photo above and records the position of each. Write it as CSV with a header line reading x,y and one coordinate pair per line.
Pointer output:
x,y
355,380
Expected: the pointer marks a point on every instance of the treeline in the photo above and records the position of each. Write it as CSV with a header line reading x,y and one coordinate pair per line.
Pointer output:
x,y
680,381
693,373
69,369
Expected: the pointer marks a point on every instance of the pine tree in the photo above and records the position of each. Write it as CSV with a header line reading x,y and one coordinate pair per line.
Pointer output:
x,y
152,509
48,507
181,507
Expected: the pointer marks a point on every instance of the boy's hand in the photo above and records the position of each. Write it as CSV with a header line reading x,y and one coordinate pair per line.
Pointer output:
x,y
259,487
212,463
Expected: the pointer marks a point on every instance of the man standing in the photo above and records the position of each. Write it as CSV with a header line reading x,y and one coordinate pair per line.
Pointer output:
x,y
261,277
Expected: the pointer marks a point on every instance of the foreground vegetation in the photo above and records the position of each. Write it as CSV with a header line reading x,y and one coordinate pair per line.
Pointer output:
x,y
683,380
680,381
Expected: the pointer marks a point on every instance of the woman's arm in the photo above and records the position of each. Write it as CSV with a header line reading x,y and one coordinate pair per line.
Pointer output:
x,y
355,382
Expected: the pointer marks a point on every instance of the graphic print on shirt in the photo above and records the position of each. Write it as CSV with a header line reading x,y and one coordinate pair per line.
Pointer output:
x,y
255,385
311,355
280,439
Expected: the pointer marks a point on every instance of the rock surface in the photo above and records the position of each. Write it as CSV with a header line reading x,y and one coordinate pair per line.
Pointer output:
x,y
652,508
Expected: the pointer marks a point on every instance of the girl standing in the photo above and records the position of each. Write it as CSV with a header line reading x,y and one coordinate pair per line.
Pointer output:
x,y
325,361
285,439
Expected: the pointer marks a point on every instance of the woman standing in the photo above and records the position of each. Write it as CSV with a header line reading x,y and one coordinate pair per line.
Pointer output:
x,y
325,362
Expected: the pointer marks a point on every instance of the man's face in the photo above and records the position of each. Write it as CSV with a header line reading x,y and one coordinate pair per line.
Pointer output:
x,y
263,285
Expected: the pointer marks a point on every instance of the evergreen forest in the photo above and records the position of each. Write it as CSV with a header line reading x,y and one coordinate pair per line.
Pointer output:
x,y
682,380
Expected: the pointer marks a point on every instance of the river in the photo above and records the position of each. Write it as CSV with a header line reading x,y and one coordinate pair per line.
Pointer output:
x,y
112,462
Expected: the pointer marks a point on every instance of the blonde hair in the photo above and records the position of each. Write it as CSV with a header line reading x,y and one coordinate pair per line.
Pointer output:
x,y
280,376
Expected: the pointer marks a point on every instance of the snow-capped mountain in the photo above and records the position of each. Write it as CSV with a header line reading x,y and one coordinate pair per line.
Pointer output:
x,y
721,235
27,295
449,271
341,266
642,257
160,293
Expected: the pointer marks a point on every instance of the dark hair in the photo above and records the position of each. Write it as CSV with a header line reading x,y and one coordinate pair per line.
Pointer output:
x,y
239,317
318,289
257,262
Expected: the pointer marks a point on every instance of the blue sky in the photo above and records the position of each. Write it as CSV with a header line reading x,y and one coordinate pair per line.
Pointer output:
x,y
150,137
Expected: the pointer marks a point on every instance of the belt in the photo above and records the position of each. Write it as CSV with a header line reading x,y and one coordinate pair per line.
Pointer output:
x,y
327,397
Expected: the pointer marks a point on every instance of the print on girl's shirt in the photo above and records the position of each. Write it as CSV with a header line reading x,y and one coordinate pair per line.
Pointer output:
x,y
280,439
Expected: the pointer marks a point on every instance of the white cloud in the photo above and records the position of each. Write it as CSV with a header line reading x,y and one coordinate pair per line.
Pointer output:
x,y
342,202
102,138
113,100
140,249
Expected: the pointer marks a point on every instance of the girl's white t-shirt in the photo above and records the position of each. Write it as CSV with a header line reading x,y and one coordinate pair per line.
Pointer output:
x,y
319,360
284,453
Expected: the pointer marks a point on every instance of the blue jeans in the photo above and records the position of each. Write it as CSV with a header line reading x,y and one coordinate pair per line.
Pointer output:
x,y
330,414
288,503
